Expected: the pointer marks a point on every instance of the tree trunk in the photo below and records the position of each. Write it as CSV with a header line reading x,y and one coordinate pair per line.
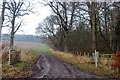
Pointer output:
x,y
12,32
61,39
0,28
2,18
94,32
117,34
66,42
0,36
105,23
94,29
11,40
92,13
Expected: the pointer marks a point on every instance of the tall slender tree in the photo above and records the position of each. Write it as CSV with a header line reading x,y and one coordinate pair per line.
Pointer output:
x,y
2,17
16,10
92,7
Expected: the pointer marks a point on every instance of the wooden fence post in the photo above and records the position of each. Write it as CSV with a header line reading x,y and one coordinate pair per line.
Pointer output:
x,y
14,57
95,57
84,54
88,54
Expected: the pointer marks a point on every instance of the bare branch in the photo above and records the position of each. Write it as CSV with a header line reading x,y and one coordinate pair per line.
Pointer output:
x,y
18,26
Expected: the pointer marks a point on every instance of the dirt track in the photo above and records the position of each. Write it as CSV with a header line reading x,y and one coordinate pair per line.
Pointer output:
x,y
51,67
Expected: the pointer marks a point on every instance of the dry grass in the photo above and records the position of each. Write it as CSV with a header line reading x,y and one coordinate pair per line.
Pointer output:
x,y
28,55
106,61
86,63
72,58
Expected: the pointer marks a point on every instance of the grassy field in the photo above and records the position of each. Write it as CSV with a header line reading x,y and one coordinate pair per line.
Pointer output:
x,y
30,51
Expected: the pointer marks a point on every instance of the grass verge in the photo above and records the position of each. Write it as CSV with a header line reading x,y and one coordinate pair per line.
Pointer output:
x,y
27,65
86,63
22,69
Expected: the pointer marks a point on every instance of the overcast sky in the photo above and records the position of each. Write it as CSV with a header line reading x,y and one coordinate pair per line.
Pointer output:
x,y
31,21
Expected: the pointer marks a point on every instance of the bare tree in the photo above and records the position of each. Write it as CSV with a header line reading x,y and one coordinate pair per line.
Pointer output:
x,y
16,10
95,20
50,27
65,17
2,17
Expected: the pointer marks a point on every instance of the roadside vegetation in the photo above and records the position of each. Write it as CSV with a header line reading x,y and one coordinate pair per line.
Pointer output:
x,y
27,64
23,68
86,63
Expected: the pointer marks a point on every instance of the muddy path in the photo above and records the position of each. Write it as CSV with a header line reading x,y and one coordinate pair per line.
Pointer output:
x,y
50,66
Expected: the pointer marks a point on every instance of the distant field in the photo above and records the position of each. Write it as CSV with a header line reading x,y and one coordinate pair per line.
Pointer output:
x,y
26,45
36,46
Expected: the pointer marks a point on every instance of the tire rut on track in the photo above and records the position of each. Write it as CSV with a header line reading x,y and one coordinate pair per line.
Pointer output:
x,y
52,67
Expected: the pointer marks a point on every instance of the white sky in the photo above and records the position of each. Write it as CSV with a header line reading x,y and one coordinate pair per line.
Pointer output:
x,y
31,21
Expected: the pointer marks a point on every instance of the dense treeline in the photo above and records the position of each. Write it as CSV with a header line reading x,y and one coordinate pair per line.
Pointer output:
x,y
83,26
